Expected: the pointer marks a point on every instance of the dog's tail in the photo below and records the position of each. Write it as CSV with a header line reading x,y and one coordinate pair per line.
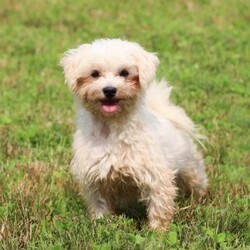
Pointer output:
x,y
158,99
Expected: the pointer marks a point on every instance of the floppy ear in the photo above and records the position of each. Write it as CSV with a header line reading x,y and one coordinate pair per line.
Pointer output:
x,y
148,63
71,62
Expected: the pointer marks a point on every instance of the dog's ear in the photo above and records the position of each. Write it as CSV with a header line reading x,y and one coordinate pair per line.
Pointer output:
x,y
70,62
148,63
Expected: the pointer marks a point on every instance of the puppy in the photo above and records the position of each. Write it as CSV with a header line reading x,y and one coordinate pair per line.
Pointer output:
x,y
131,141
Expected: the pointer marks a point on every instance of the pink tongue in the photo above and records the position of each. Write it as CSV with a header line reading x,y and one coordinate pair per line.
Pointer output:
x,y
109,108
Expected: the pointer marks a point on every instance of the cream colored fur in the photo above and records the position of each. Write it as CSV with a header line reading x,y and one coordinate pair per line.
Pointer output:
x,y
143,148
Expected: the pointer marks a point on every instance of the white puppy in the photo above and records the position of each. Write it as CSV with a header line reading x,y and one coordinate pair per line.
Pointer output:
x,y
131,141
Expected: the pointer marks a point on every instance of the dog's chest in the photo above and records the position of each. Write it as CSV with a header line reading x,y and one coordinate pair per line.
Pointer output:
x,y
116,156
119,151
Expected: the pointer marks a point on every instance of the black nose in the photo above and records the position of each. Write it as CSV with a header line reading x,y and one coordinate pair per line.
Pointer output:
x,y
109,92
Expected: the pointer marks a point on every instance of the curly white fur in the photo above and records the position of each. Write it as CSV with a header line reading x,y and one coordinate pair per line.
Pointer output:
x,y
137,146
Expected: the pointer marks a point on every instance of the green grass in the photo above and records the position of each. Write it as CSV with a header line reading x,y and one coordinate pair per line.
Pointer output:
x,y
204,51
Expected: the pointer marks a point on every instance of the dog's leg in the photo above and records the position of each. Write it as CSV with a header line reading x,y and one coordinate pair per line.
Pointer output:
x,y
159,195
193,179
97,205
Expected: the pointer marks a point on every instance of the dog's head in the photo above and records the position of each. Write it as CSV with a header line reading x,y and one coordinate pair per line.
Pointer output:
x,y
108,75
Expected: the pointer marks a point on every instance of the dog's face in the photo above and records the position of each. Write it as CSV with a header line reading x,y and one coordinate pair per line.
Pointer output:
x,y
109,75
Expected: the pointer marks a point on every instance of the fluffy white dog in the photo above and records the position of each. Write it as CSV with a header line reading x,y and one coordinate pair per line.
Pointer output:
x,y
131,141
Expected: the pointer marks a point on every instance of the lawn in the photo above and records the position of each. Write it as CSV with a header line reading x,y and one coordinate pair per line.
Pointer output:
x,y
204,51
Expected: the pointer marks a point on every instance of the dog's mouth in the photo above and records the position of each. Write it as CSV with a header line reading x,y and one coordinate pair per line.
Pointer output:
x,y
109,106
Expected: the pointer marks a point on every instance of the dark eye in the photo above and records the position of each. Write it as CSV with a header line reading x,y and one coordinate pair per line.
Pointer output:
x,y
124,73
95,74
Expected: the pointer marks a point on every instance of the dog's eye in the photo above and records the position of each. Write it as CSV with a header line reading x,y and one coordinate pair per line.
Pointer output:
x,y
124,73
95,74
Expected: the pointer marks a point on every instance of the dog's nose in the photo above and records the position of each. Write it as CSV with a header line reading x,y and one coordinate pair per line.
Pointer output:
x,y
109,92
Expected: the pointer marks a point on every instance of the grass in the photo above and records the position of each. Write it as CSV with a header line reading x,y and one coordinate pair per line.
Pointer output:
x,y
204,51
